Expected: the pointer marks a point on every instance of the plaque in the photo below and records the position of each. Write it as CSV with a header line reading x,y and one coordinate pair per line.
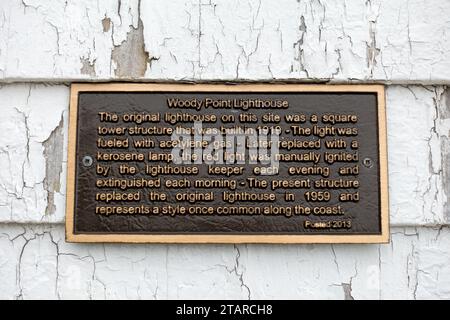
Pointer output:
x,y
224,163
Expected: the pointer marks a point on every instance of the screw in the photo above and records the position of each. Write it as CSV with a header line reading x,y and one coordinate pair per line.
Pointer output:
x,y
87,161
367,162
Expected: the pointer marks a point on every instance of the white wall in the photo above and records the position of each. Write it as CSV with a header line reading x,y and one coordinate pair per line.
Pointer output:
x,y
45,45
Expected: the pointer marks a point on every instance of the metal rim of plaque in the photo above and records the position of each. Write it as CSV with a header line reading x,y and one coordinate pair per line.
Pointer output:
x,y
72,210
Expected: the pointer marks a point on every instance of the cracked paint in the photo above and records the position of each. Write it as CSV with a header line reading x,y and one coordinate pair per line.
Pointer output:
x,y
32,181
36,263
130,56
240,274
401,41
32,153
372,49
414,265
444,137
53,153
416,133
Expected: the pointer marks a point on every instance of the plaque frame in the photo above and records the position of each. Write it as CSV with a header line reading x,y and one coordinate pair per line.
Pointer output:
x,y
76,88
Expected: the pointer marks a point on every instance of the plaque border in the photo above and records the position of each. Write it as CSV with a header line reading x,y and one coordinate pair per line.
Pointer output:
x,y
76,88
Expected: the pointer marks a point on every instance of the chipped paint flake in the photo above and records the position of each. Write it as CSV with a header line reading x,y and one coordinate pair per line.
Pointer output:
x,y
400,41
53,154
106,23
87,67
131,57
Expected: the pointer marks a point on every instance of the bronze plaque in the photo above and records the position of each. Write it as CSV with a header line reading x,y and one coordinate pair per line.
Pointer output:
x,y
247,163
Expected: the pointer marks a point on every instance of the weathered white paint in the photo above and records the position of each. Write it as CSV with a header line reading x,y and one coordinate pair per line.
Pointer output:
x,y
401,41
417,127
418,193
35,262
31,116
404,44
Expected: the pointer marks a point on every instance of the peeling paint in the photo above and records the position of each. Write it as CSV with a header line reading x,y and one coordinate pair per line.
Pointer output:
x,y
392,42
87,67
347,287
445,110
301,54
372,49
53,153
445,145
131,57
415,132
402,41
106,23
40,265
418,196
444,115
